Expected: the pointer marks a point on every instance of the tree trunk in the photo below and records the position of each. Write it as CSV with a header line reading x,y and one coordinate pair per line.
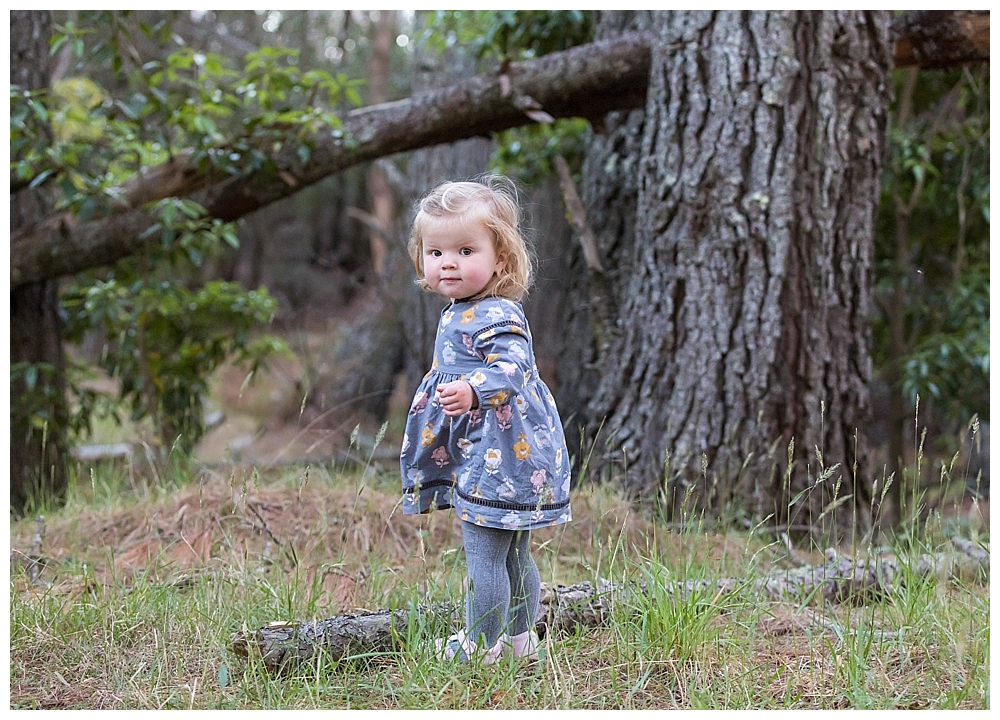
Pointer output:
x,y
609,190
378,184
545,224
395,329
38,409
545,304
742,366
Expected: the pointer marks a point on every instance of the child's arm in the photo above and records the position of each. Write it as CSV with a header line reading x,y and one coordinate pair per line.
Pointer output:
x,y
508,364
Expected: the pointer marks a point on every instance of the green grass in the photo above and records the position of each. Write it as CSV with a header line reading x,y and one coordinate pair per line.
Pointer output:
x,y
150,580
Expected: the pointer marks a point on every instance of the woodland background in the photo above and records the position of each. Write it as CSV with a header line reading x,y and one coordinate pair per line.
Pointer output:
x,y
269,336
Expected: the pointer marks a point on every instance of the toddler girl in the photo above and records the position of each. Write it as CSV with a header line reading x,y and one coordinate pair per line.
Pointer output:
x,y
483,434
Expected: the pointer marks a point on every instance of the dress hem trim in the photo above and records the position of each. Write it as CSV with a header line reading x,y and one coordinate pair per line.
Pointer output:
x,y
500,505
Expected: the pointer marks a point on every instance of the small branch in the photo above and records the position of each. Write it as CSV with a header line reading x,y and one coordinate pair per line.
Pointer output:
x,y
289,554
533,109
33,561
397,180
371,222
578,216
35,569
36,542
963,223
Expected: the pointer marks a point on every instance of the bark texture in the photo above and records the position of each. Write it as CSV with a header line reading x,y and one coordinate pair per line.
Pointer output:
x,y
37,452
551,238
745,327
563,609
609,190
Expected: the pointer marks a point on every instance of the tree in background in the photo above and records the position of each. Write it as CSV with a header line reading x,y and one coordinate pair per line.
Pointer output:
x,y
39,412
87,153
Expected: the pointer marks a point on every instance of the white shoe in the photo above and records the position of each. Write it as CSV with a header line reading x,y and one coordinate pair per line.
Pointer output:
x,y
461,647
523,646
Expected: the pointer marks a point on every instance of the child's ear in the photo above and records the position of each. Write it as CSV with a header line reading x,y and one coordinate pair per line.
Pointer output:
x,y
501,263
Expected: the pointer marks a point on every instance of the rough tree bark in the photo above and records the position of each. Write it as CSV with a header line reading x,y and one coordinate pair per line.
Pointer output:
x,y
745,326
37,454
609,190
545,305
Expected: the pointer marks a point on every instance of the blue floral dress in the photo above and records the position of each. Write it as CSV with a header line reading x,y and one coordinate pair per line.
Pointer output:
x,y
503,465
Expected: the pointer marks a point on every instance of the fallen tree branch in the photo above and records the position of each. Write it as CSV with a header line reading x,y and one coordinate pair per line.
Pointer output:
x,y
585,81
941,38
841,579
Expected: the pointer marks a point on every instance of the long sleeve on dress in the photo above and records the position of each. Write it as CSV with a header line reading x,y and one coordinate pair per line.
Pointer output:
x,y
507,364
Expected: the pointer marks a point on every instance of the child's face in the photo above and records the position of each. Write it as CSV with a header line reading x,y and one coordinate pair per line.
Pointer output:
x,y
459,257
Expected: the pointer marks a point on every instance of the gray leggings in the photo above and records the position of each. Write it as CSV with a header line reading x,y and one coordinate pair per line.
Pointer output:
x,y
503,582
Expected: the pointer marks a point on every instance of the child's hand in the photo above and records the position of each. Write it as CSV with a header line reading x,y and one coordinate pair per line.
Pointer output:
x,y
456,397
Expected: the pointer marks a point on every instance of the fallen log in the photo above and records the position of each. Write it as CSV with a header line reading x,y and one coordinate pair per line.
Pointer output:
x,y
841,579
585,81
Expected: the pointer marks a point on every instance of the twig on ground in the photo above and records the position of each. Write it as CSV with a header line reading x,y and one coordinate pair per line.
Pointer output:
x,y
290,552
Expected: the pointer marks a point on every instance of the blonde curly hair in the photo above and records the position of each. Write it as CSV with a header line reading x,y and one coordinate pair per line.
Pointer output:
x,y
492,201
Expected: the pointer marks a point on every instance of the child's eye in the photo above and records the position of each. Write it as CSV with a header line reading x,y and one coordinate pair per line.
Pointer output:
x,y
434,253
466,251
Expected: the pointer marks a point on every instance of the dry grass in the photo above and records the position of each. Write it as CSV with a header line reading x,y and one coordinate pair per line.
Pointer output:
x,y
307,521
